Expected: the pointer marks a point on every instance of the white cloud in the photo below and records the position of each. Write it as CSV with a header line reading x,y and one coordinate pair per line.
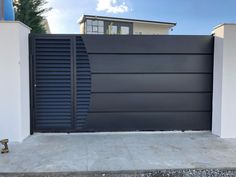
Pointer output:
x,y
111,6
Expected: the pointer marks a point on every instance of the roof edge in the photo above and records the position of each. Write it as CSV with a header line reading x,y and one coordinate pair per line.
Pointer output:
x,y
223,24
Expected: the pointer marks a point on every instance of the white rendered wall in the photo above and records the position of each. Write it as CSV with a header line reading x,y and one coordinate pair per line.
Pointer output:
x,y
82,25
224,83
150,29
14,79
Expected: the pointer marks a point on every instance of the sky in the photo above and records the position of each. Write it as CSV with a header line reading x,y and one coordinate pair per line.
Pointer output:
x,y
193,17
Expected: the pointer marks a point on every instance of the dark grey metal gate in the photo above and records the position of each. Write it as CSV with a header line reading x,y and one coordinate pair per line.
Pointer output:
x,y
121,83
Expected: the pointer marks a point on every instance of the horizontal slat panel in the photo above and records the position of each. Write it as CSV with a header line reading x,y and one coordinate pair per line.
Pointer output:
x,y
151,63
53,92
152,83
54,104
149,121
52,58
150,102
148,44
52,114
52,65
46,127
52,46
54,73
51,121
48,77
51,39
54,49
53,82
52,110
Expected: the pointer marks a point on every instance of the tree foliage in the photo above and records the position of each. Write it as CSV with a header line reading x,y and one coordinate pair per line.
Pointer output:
x,y
30,12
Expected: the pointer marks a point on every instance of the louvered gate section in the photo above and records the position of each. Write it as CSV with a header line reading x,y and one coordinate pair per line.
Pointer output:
x,y
61,83
52,84
83,83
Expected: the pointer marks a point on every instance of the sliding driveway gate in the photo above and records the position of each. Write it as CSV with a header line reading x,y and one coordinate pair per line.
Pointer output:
x,y
120,83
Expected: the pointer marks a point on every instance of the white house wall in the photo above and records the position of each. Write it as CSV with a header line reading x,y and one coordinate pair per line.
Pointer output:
x,y
150,29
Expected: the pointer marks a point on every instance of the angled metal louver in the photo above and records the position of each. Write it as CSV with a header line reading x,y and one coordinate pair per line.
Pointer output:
x,y
83,84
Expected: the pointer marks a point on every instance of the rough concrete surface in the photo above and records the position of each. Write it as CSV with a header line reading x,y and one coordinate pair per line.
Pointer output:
x,y
153,173
126,153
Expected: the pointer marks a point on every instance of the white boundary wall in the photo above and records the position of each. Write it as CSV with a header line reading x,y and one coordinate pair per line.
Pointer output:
x,y
224,82
14,81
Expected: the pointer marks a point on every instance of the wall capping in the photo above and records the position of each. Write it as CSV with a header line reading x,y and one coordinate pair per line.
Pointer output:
x,y
15,22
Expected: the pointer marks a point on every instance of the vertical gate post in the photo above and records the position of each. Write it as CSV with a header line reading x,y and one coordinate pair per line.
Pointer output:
x,y
224,81
14,81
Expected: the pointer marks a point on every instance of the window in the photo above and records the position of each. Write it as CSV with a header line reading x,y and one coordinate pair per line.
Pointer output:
x,y
118,28
113,29
89,22
101,30
95,23
89,28
94,27
100,23
124,30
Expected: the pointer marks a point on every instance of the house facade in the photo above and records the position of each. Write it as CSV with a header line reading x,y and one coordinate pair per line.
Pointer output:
x,y
90,24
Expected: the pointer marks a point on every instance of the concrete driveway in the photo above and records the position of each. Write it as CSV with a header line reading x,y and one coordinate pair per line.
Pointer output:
x,y
119,152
